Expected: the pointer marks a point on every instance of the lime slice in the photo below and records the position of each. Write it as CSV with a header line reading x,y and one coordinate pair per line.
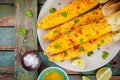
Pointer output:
x,y
85,78
104,74
79,62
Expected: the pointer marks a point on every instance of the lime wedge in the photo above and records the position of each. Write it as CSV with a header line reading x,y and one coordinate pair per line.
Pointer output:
x,y
79,62
104,74
85,78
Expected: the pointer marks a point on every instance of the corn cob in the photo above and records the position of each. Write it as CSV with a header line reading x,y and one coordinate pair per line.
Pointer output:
x,y
76,37
67,13
65,28
82,49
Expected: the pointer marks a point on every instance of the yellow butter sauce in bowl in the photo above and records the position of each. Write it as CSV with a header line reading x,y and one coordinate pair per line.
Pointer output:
x,y
53,73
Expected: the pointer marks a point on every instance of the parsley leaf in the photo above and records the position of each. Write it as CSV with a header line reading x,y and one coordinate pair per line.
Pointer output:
x,y
81,40
98,46
57,46
105,55
22,32
90,53
55,31
81,49
52,10
102,41
29,13
81,15
76,20
65,53
67,32
64,14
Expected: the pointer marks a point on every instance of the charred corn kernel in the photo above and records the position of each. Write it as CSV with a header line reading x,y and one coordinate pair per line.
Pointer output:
x,y
59,31
86,32
88,46
67,13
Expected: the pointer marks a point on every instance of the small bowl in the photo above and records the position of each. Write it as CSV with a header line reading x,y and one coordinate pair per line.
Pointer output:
x,y
50,69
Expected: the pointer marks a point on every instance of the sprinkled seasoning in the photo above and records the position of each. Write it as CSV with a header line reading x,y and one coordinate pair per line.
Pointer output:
x,y
31,60
64,14
52,10
76,20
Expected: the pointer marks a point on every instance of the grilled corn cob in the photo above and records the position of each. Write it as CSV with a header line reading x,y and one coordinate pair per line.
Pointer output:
x,y
76,37
82,49
66,28
67,13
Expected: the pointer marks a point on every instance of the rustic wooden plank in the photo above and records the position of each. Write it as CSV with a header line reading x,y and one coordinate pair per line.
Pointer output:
x,y
6,70
7,36
7,2
7,21
6,77
7,47
29,42
6,10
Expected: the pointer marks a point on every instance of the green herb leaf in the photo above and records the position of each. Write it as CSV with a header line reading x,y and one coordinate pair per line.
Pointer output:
x,y
55,31
93,12
57,46
52,10
65,53
90,53
61,60
81,40
76,20
29,13
22,32
102,41
105,55
81,49
64,14
81,15
98,46
67,32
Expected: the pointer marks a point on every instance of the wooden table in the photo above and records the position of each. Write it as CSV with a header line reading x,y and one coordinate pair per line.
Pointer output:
x,y
12,18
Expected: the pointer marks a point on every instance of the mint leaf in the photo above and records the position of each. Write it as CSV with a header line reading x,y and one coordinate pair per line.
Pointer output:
x,y
55,31
102,41
22,32
29,13
81,40
67,32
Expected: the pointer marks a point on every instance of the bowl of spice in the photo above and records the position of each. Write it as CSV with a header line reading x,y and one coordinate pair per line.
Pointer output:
x,y
31,60
53,73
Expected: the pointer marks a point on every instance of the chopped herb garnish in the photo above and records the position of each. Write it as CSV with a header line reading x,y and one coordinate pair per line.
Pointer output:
x,y
81,15
65,53
61,60
67,32
29,13
64,14
76,20
90,53
55,31
105,55
57,46
22,32
102,41
81,49
93,12
52,10
98,46
81,40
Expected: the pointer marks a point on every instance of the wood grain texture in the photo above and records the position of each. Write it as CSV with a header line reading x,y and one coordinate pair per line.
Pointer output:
x,y
28,42
6,77
7,47
7,10
6,70
7,21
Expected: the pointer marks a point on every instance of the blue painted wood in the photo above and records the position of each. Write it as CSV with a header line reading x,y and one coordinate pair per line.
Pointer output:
x,y
7,36
7,59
